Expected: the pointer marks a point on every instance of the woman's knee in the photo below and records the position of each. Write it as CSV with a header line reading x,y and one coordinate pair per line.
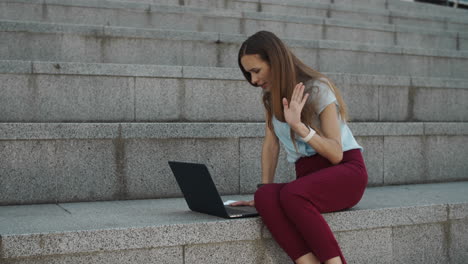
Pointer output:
x,y
288,196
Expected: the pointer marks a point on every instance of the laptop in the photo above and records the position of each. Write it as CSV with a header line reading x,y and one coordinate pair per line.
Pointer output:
x,y
201,194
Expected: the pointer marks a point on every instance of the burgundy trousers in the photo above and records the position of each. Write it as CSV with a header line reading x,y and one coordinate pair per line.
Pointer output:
x,y
292,211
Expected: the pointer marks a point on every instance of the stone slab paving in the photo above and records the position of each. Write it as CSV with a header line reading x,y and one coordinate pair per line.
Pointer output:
x,y
99,227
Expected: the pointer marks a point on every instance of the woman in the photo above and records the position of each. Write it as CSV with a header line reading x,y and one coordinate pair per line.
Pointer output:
x,y
306,113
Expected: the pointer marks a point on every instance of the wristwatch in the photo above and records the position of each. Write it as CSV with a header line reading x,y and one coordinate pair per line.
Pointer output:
x,y
260,185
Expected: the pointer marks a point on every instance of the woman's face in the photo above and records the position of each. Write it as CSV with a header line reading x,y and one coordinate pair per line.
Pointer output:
x,y
259,70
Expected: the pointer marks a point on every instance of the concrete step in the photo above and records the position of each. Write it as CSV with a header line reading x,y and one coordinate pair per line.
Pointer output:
x,y
70,162
409,14
345,28
382,5
406,224
85,92
80,43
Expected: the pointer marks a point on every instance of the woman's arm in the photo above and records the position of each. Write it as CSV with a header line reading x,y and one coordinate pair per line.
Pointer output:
x,y
270,152
329,144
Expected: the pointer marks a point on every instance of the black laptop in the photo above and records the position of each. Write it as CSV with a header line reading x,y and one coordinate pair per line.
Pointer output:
x,y
201,194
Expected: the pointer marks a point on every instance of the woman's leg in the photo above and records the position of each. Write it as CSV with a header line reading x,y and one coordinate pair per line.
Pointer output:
x,y
331,189
282,229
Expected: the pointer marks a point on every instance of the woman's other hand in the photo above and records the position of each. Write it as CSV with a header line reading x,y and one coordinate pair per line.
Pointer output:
x,y
293,109
243,203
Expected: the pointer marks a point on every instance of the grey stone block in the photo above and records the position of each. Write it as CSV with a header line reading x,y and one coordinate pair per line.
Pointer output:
x,y
354,34
148,174
162,51
250,165
446,158
88,170
404,160
55,131
53,46
191,130
235,252
158,99
399,19
222,24
458,211
107,69
426,40
446,129
373,157
441,104
358,218
284,30
458,236
214,100
362,101
386,129
273,253
212,73
16,99
294,9
15,67
28,172
366,246
69,98
345,13
420,244
165,255
394,103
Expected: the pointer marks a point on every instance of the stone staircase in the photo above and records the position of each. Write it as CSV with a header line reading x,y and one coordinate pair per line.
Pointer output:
x,y
97,96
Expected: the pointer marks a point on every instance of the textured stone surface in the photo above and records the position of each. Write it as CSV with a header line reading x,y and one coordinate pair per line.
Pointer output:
x,y
420,244
166,255
250,165
394,104
236,252
447,129
446,158
15,66
362,102
404,160
148,174
107,69
213,100
158,99
28,172
458,236
414,211
150,46
366,246
441,105
88,170
458,211
373,157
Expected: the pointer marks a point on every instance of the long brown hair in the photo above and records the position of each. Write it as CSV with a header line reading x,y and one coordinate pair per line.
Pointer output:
x,y
286,71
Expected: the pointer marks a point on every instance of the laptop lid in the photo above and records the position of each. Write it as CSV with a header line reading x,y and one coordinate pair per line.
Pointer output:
x,y
198,188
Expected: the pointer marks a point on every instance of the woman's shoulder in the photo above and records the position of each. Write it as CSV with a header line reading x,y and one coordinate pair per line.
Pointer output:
x,y
315,86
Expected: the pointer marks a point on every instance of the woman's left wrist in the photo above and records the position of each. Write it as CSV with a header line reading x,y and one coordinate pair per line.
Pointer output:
x,y
301,129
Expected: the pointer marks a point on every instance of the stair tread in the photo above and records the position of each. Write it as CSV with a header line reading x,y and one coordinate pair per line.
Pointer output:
x,y
172,220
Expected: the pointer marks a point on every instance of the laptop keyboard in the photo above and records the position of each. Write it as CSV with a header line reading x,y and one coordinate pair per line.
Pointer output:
x,y
232,211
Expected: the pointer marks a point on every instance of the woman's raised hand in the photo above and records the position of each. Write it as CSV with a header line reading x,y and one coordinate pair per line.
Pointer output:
x,y
293,109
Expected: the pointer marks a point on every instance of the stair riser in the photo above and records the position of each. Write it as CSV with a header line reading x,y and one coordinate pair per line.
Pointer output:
x,y
92,98
212,23
329,57
71,162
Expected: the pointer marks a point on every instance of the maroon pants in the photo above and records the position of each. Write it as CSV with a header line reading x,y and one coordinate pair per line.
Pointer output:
x,y
292,211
